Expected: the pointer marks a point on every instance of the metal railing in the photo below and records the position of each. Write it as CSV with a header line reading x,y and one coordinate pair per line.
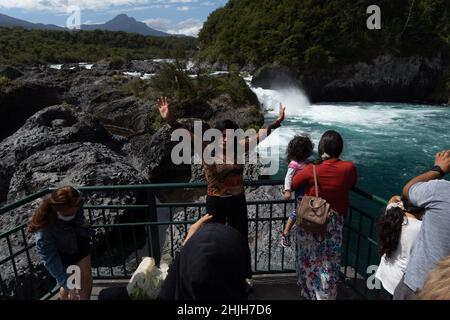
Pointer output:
x,y
125,233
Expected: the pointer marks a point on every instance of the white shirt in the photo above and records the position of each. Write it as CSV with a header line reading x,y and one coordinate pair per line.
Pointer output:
x,y
391,271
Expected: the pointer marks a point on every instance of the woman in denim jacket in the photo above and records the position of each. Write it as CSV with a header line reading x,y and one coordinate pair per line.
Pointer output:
x,y
62,240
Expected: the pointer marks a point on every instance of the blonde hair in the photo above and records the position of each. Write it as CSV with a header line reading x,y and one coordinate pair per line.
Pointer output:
x,y
437,285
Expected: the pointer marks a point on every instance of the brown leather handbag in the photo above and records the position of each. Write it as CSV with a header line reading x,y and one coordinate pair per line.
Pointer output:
x,y
314,213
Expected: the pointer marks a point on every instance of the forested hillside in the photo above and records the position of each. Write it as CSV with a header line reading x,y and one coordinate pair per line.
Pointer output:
x,y
321,33
20,46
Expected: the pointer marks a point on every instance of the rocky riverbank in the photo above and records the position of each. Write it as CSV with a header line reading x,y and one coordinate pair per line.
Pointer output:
x,y
74,125
387,78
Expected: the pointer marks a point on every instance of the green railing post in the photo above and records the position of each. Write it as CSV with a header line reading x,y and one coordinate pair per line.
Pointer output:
x,y
152,216
147,203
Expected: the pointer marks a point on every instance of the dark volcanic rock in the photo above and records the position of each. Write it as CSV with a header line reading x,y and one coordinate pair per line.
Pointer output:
x,y
22,100
124,116
77,164
10,73
144,66
247,115
223,108
104,98
151,155
387,78
52,126
275,77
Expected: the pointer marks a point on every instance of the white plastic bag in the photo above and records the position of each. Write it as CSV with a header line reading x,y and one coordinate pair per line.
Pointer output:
x,y
147,280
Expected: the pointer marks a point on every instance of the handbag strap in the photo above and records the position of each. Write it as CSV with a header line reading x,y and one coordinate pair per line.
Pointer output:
x,y
315,181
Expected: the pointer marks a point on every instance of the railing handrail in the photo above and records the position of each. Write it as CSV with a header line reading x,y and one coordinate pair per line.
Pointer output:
x,y
153,224
167,186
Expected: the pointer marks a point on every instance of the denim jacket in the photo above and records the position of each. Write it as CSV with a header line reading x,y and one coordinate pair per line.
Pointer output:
x,y
58,237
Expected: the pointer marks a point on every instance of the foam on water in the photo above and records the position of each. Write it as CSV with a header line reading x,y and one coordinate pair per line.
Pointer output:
x,y
56,66
389,142
299,108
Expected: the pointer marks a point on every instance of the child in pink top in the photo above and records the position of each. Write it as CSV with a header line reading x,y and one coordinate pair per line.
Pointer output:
x,y
298,152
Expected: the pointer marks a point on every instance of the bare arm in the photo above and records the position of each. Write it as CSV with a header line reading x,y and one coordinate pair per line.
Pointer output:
x,y
265,132
442,160
166,114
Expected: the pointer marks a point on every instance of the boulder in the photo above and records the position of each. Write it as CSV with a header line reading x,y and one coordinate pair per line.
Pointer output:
x,y
125,116
275,77
52,126
76,164
246,115
144,66
385,79
10,73
151,154
22,100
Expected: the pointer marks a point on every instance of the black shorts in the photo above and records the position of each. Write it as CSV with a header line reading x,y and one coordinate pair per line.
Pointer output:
x,y
230,210
84,250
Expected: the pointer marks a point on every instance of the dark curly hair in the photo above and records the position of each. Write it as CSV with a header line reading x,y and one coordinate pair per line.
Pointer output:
x,y
300,148
390,228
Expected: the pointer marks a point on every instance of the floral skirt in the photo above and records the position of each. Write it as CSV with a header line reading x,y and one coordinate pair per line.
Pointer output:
x,y
318,262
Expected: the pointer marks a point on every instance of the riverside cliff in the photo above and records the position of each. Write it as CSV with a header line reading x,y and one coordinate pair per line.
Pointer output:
x,y
331,51
99,126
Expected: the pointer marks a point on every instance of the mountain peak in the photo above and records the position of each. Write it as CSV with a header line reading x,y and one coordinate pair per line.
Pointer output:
x,y
123,17
122,22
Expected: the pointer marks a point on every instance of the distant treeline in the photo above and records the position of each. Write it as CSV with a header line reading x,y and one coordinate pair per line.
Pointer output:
x,y
317,34
21,46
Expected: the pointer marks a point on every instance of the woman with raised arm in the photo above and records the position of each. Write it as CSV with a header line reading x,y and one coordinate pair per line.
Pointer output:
x,y
226,195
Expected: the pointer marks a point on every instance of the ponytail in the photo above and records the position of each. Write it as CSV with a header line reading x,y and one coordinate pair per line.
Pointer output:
x,y
42,217
45,215
390,230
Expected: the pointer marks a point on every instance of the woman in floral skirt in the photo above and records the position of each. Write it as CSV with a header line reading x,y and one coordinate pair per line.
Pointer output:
x,y
319,260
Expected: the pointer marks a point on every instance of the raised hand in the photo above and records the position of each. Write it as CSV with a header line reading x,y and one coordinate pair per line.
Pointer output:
x,y
443,160
281,114
164,108
395,199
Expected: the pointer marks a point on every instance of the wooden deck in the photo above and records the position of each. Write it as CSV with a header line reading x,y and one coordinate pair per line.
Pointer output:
x,y
265,287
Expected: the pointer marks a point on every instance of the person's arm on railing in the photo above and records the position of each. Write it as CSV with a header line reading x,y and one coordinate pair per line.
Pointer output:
x,y
288,184
442,167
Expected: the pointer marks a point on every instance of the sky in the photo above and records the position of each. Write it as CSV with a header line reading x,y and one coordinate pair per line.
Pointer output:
x,y
172,16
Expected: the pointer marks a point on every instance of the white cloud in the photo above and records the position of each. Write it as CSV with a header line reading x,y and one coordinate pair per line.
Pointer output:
x,y
189,27
61,5
158,23
183,8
